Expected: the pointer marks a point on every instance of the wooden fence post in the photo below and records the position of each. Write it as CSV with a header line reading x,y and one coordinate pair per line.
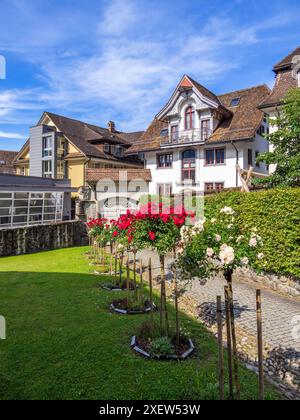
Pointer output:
x,y
229,346
234,346
141,280
220,344
127,273
116,267
176,308
260,345
151,294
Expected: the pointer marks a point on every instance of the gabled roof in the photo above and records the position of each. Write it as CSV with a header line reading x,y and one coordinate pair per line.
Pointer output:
x,y
205,92
20,153
187,83
240,123
246,117
89,138
287,62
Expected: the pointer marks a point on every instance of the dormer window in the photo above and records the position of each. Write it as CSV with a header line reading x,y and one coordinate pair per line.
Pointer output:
x,y
106,148
189,118
235,102
119,151
164,132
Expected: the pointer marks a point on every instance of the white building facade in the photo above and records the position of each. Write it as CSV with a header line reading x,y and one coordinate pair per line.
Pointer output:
x,y
197,139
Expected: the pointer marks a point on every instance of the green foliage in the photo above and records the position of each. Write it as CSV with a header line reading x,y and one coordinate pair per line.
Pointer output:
x,y
166,235
276,214
161,347
286,142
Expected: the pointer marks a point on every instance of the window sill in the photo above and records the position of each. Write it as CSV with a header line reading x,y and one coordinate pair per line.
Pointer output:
x,y
214,164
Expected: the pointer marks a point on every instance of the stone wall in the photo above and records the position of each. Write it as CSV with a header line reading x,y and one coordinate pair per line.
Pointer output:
x,y
278,283
29,239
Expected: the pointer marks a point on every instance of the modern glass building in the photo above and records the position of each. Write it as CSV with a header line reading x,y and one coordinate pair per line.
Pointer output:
x,y
26,200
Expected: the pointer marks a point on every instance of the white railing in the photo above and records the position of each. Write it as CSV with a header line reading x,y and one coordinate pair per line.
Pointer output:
x,y
187,136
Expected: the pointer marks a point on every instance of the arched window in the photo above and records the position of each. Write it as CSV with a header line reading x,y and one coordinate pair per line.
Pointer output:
x,y
189,165
189,118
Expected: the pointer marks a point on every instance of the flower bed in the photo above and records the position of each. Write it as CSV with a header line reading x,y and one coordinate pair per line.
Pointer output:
x,y
131,307
181,352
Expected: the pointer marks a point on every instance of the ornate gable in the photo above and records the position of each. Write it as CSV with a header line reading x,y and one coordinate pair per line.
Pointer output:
x,y
188,91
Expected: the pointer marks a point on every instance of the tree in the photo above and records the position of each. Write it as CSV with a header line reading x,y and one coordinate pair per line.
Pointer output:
x,y
286,144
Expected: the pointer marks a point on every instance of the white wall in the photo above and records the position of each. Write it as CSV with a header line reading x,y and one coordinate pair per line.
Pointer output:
x,y
260,145
273,129
204,173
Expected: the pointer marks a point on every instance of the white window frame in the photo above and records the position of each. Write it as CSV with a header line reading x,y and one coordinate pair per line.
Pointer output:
x,y
47,149
47,174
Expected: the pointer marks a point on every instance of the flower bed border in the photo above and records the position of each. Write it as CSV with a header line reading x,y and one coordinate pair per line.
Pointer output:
x,y
140,351
126,312
108,273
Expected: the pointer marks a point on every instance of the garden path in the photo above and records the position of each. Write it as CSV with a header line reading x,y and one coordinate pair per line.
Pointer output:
x,y
281,315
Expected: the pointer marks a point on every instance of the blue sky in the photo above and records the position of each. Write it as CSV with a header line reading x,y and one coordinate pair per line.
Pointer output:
x,y
98,60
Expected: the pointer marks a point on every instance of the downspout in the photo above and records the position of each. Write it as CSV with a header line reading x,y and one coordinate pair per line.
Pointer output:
x,y
237,162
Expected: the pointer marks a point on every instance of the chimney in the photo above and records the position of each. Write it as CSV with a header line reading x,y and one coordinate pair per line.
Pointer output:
x,y
111,127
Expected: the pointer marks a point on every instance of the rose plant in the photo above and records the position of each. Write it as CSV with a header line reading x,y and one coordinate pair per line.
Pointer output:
x,y
158,227
98,231
218,245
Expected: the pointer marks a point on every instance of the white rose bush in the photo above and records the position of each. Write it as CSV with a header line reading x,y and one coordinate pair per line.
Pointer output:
x,y
218,246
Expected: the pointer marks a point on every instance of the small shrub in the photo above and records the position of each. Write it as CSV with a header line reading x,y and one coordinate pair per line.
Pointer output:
x,y
161,347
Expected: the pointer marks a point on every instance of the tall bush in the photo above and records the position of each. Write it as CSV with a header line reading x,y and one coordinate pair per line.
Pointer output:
x,y
276,214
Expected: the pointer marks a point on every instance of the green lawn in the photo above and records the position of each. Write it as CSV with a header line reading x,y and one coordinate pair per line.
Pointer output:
x,y
62,343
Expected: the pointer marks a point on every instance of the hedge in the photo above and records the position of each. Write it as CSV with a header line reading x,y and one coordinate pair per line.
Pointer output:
x,y
276,214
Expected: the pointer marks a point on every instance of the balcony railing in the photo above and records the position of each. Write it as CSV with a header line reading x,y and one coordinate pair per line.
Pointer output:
x,y
187,136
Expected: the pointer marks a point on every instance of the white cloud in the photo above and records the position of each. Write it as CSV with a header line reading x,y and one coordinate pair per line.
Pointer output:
x,y
118,16
6,135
